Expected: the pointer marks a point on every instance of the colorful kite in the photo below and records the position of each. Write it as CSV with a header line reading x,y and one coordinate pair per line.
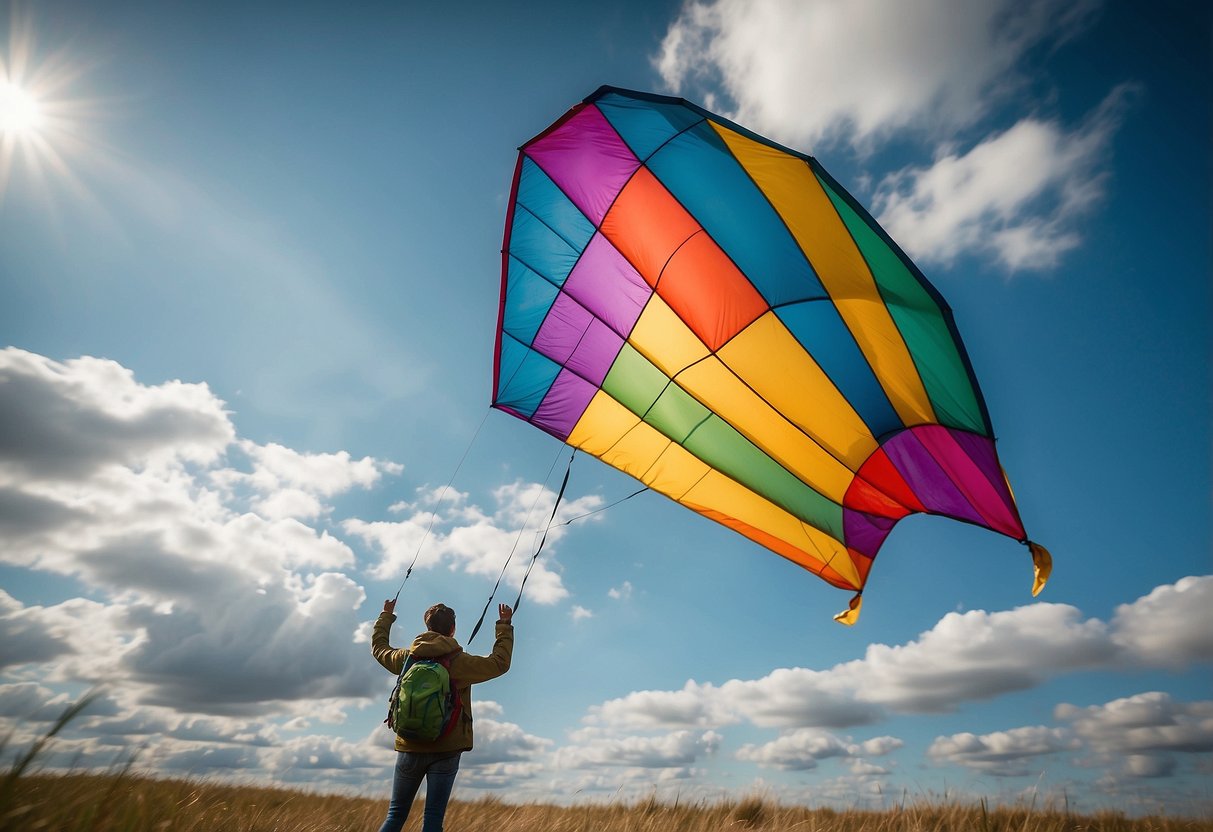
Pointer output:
x,y
711,313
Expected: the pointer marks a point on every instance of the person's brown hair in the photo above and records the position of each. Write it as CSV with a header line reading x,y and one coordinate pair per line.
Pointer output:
x,y
441,619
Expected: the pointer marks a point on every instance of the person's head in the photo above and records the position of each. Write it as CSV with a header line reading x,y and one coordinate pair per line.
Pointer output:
x,y
441,619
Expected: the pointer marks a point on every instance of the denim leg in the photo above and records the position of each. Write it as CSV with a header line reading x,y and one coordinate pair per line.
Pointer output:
x,y
405,782
439,780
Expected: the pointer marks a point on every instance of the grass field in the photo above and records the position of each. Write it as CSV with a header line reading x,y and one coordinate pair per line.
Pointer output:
x,y
120,803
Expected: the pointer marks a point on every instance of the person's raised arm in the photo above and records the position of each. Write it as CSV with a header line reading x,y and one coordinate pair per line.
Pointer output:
x,y
473,669
391,659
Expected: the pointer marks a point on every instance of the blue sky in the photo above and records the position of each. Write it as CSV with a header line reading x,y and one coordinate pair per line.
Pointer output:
x,y
250,262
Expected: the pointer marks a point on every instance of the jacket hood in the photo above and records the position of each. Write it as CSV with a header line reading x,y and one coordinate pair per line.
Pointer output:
x,y
430,645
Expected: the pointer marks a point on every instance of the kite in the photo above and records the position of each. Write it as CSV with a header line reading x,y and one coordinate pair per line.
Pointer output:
x,y
713,314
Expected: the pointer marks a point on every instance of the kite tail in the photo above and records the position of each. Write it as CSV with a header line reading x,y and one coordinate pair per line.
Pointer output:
x,y
851,614
1042,566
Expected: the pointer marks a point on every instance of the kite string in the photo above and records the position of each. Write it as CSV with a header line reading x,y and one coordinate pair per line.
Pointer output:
x,y
434,514
563,485
514,548
604,508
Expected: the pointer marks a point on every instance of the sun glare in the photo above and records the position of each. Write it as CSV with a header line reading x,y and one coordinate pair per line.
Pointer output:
x,y
43,140
19,111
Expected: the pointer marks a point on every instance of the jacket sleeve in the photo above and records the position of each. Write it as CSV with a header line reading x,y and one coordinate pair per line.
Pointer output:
x,y
385,654
469,670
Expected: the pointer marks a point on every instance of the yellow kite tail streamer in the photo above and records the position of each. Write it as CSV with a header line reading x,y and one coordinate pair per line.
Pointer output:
x,y
851,614
1042,566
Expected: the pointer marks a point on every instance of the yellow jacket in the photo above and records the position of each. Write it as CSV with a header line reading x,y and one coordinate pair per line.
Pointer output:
x,y
465,671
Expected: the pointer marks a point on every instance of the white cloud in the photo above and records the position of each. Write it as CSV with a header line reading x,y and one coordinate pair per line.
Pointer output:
x,y
72,419
1170,627
579,613
478,541
293,482
675,749
935,71
1015,196
29,701
695,706
1002,753
965,657
802,748
620,593
1142,733
859,69
301,758
202,603
502,742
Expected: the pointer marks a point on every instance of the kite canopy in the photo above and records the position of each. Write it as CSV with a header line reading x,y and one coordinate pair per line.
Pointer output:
x,y
711,313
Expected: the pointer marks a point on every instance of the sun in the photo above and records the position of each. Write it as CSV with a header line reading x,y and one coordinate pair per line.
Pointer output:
x,y
20,112
44,139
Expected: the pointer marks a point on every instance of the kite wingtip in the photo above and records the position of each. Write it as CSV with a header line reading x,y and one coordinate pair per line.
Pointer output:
x,y
1042,567
851,614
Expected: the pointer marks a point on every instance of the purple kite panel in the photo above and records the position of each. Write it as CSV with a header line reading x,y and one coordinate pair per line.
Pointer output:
x,y
930,482
562,329
865,532
594,355
604,282
964,472
587,160
567,399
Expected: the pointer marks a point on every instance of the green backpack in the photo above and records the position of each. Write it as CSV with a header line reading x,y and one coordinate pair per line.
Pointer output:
x,y
425,703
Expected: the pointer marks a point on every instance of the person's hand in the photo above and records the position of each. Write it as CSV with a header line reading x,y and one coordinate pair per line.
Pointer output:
x,y
390,606
504,613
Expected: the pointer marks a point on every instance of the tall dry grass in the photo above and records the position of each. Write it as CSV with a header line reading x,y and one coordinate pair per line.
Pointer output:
x,y
120,802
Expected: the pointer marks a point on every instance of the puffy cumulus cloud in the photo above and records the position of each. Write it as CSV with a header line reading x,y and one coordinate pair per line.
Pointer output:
x,y
202,760
591,749
1149,735
497,776
126,723
1002,753
23,635
197,603
301,758
880,746
279,650
1171,627
290,483
77,640
478,541
801,749
182,657
30,702
1015,196
276,466
979,655
965,657
67,420
695,706
502,742
1142,733
859,69
799,696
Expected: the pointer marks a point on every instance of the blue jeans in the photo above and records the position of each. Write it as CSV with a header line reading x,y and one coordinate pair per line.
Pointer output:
x,y
439,770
